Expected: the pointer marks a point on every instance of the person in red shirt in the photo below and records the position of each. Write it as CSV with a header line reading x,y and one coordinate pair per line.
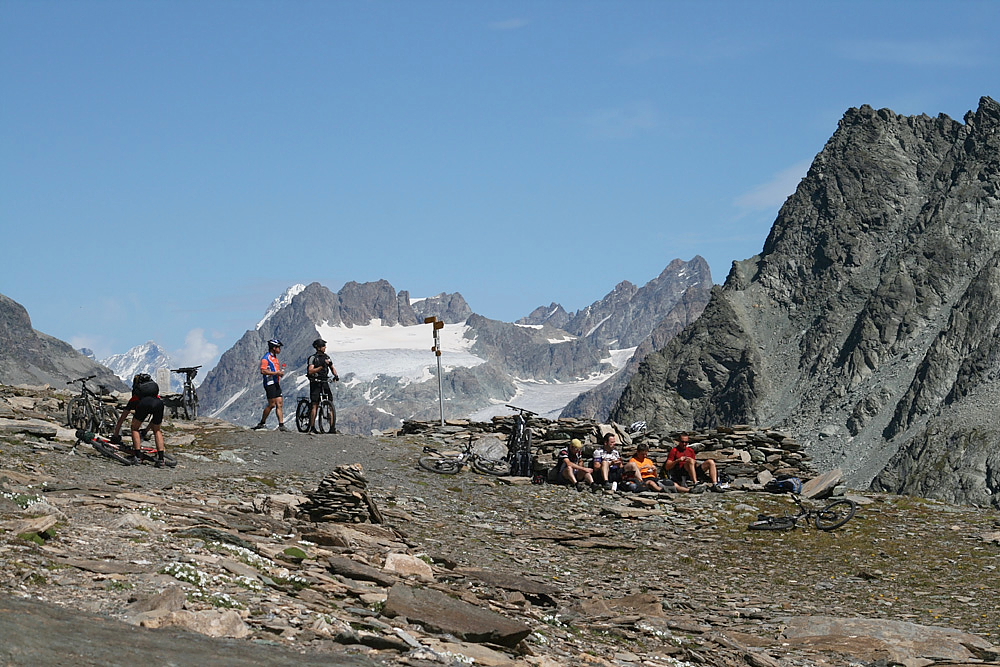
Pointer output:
x,y
683,460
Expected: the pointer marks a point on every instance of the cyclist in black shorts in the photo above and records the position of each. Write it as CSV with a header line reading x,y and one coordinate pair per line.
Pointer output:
x,y
145,401
320,367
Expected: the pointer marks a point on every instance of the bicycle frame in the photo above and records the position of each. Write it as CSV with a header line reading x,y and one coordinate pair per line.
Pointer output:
x,y
87,410
189,400
519,444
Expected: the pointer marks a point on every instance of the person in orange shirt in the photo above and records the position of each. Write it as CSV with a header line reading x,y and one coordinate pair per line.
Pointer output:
x,y
271,371
639,473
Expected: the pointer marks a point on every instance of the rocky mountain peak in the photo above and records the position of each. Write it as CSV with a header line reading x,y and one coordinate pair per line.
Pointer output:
x,y
869,318
32,357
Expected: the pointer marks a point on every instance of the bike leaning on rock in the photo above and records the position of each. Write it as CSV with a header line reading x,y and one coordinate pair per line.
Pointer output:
x,y
189,395
519,443
89,411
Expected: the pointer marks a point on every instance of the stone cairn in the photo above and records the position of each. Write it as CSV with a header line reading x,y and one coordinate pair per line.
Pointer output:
x,y
342,497
749,456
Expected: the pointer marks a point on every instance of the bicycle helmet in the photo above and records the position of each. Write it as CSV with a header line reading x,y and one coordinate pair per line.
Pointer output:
x,y
140,378
318,343
274,342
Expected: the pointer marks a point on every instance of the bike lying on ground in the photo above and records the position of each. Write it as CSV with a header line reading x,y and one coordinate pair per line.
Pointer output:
x,y
189,396
830,517
451,463
89,411
121,452
519,443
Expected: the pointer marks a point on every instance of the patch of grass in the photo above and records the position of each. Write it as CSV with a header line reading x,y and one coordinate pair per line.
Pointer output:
x,y
270,483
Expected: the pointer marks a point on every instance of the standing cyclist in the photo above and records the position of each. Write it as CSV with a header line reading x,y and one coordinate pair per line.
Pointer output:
x,y
271,372
319,370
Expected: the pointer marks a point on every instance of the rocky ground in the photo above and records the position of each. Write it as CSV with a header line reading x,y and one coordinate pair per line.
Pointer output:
x,y
216,560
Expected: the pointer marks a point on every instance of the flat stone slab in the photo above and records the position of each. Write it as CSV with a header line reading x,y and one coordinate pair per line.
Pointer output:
x,y
104,566
819,487
442,613
864,638
352,569
510,582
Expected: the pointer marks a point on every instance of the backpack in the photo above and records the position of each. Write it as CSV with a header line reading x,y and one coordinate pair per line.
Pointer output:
x,y
147,389
787,485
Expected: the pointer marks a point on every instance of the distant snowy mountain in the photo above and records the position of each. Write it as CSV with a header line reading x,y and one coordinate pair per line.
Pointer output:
x,y
145,358
280,303
382,350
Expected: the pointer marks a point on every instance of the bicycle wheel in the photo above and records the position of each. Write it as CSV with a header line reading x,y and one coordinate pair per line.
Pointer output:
x,y
773,523
491,467
106,418
112,453
302,415
325,416
189,403
836,514
440,465
78,414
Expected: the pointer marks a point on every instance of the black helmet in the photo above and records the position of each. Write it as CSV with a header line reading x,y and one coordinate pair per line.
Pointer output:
x,y
318,343
140,378
274,342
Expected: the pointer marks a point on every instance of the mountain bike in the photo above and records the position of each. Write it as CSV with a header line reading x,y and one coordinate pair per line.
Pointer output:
x,y
121,452
830,517
451,463
326,412
89,411
189,396
519,443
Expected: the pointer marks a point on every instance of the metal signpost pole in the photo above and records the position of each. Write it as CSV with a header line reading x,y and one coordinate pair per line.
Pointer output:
x,y
438,325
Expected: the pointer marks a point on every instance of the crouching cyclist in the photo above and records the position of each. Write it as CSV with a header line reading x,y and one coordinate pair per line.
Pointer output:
x,y
320,371
145,402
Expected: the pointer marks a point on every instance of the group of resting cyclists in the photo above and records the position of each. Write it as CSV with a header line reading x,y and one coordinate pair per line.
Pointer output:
x,y
608,470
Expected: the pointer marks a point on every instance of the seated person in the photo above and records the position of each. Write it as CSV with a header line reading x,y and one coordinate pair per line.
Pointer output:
x,y
639,473
571,468
682,465
608,462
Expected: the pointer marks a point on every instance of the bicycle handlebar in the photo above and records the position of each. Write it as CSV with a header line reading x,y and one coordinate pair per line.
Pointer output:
x,y
189,369
521,410
90,377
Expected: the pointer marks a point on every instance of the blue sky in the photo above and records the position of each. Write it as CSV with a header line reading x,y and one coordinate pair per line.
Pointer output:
x,y
169,168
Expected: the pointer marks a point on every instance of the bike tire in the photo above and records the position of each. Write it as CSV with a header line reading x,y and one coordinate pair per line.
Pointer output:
x,y
106,418
78,414
302,416
440,465
191,404
491,467
773,523
112,453
325,418
836,514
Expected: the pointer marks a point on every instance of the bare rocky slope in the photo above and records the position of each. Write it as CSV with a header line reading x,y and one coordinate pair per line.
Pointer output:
x,y
227,559
868,323
36,358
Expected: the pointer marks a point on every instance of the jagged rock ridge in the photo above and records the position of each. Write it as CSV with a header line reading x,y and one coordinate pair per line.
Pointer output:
x,y
867,325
